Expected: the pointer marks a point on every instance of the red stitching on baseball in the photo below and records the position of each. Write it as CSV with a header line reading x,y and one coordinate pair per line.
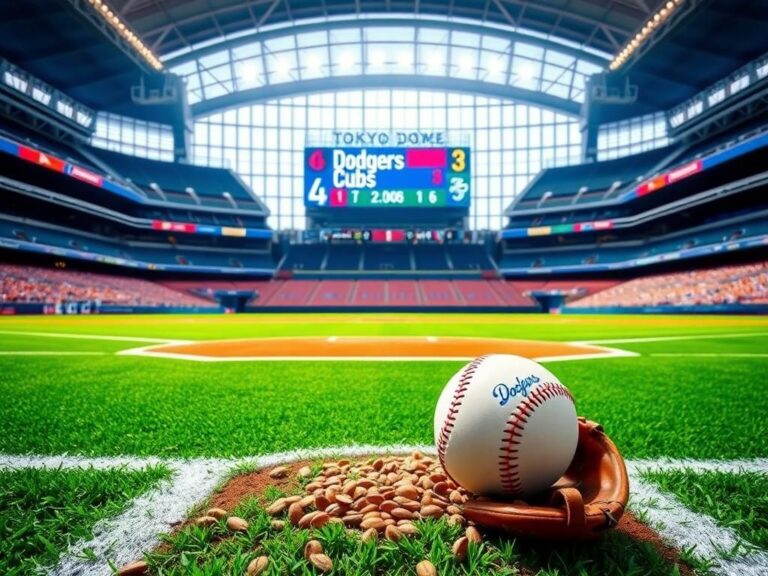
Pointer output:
x,y
453,410
508,471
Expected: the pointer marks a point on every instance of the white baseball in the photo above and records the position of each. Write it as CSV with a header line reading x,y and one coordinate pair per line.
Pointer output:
x,y
505,425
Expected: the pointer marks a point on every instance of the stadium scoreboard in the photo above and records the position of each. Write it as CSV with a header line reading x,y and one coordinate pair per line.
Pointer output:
x,y
387,177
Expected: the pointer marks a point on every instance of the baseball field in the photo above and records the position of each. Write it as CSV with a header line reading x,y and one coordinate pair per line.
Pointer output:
x,y
114,428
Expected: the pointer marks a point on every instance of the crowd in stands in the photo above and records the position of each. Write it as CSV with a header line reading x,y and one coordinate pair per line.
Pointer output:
x,y
743,284
28,284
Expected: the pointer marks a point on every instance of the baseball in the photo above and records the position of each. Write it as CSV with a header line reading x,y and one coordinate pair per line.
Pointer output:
x,y
505,425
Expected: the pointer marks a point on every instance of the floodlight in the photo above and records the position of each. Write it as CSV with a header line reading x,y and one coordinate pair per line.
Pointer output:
x,y
405,58
376,58
464,64
346,60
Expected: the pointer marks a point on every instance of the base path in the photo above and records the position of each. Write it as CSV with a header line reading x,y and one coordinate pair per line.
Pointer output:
x,y
373,348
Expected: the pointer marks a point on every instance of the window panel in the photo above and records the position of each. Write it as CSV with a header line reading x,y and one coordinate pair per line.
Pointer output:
x,y
314,63
465,39
464,63
312,39
619,139
389,34
510,142
247,51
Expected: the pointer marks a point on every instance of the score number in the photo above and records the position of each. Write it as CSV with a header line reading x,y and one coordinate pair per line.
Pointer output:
x,y
317,192
458,188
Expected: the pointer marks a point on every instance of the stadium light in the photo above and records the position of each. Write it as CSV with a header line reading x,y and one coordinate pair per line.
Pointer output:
x,y
111,18
495,66
464,64
377,58
405,59
525,72
248,73
653,22
314,62
346,60
435,61
282,66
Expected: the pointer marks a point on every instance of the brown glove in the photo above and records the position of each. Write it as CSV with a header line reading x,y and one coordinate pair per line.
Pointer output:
x,y
587,500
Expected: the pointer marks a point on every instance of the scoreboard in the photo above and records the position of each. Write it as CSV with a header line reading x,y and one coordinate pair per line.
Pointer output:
x,y
387,177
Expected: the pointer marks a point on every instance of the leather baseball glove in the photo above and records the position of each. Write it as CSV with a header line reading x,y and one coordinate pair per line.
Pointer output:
x,y
587,500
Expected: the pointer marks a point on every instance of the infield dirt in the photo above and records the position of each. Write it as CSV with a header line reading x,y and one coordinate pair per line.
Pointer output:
x,y
374,347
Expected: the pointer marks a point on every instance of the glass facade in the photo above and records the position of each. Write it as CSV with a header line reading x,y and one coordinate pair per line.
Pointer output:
x,y
627,137
134,137
360,49
264,142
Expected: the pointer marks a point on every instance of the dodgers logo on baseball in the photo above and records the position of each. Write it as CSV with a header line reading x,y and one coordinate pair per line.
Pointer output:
x,y
519,444
504,392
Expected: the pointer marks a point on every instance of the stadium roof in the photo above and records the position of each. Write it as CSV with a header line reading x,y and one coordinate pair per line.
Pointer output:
x,y
170,25
712,39
61,43
56,41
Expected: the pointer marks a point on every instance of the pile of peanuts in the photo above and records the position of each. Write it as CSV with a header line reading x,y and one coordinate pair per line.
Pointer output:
x,y
380,497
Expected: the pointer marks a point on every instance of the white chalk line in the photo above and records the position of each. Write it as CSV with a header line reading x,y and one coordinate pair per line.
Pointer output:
x,y
672,338
74,336
151,352
607,352
127,536
198,358
685,528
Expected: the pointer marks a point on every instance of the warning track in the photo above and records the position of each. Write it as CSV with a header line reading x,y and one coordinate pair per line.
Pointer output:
x,y
372,348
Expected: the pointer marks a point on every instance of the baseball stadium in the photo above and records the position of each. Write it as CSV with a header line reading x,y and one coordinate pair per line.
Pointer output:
x,y
384,287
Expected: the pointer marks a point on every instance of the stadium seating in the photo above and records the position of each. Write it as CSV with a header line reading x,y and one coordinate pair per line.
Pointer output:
x,y
457,294
439,293
565,217
29,284
262,289
574,186
146,252
720,142
182,183
43,285
589,182
387,257
430,257
202,217
477,293
293,293
404,293
369,293
57,148
605,254
468,257
343,257
331,293
742,284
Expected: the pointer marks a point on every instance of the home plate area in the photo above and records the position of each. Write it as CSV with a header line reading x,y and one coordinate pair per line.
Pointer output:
x,y
373,348
122,540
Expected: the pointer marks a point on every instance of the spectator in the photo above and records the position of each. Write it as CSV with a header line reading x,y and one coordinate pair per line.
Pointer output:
x,y
744,284
41,285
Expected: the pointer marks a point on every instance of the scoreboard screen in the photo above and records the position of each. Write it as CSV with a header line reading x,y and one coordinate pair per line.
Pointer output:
x,y
387,177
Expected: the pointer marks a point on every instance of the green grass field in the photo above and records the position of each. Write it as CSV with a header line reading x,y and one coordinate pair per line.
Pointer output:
x,y
699,394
